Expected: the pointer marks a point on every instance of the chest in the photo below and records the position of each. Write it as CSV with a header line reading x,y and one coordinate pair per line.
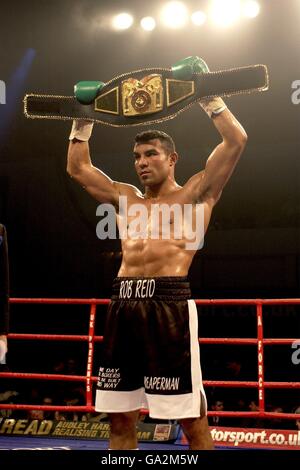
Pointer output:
x,y
161,219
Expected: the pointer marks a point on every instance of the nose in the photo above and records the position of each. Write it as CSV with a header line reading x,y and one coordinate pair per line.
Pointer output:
x,y
143,162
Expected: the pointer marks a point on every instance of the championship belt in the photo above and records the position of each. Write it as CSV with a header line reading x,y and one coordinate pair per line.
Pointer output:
x,y
147,96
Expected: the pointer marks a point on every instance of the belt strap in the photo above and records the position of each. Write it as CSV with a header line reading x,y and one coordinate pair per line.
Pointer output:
x,y
147,96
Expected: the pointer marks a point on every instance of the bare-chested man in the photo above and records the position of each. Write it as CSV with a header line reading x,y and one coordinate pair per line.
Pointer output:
x,y
151,351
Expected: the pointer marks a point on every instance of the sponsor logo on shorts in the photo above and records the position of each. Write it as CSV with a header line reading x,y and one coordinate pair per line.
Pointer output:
x,y
108,378
137,289
161,383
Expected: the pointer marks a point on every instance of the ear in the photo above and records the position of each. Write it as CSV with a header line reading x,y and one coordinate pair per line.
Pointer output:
x,y
173,157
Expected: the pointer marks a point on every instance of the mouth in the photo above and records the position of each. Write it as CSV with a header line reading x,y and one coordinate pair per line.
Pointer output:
x,y
144,173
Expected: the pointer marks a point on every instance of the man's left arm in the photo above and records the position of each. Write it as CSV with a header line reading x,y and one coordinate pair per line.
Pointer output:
x,y
208,184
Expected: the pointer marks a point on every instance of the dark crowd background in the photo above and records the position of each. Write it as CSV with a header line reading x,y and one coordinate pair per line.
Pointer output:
x,y
251,249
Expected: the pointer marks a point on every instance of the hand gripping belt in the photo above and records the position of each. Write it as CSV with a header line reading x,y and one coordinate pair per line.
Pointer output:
x,y
147,96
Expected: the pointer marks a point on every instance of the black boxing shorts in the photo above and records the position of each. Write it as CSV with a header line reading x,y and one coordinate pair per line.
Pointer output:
x,y
151,356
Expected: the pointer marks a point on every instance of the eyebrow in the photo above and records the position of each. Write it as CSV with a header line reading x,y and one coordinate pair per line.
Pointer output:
x,y
137,154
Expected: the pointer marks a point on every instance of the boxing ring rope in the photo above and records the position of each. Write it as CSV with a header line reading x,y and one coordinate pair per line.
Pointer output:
x,y
260,341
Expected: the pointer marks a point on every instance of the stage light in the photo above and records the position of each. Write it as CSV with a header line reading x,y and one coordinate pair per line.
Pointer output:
x,y
174,15
198,18
148,23
122,21
225,12
251,9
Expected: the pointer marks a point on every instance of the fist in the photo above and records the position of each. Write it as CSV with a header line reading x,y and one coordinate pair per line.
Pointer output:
x,y
185,68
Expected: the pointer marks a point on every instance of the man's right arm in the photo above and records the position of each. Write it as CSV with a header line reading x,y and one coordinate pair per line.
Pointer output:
x,y
80,167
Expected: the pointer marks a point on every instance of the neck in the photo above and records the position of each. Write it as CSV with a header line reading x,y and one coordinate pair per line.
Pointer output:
x,y
157,191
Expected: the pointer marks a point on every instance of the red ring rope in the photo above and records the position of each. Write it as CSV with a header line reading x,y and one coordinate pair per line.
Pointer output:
x,y
260,341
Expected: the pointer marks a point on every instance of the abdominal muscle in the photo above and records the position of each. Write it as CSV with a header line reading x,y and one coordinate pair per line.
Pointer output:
x,y
155,258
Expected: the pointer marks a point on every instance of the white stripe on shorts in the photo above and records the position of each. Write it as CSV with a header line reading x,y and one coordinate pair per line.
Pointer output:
x,y
186,405
120,402
181,406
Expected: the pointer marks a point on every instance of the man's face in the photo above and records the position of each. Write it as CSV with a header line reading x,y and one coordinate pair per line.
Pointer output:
x,y
152,162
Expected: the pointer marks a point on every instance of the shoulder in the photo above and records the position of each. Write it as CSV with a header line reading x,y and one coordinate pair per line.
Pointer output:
x,y
195,179
194,187
126,189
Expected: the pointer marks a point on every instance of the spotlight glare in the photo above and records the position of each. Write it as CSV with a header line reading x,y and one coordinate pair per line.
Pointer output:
x,y
174,15
225,12
122,21
148,23
251,9
198,18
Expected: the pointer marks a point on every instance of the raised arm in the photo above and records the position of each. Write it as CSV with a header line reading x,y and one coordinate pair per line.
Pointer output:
x,y
80,167
207,185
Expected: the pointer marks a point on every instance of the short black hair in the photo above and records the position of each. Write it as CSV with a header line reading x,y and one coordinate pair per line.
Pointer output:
x,y
166,141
